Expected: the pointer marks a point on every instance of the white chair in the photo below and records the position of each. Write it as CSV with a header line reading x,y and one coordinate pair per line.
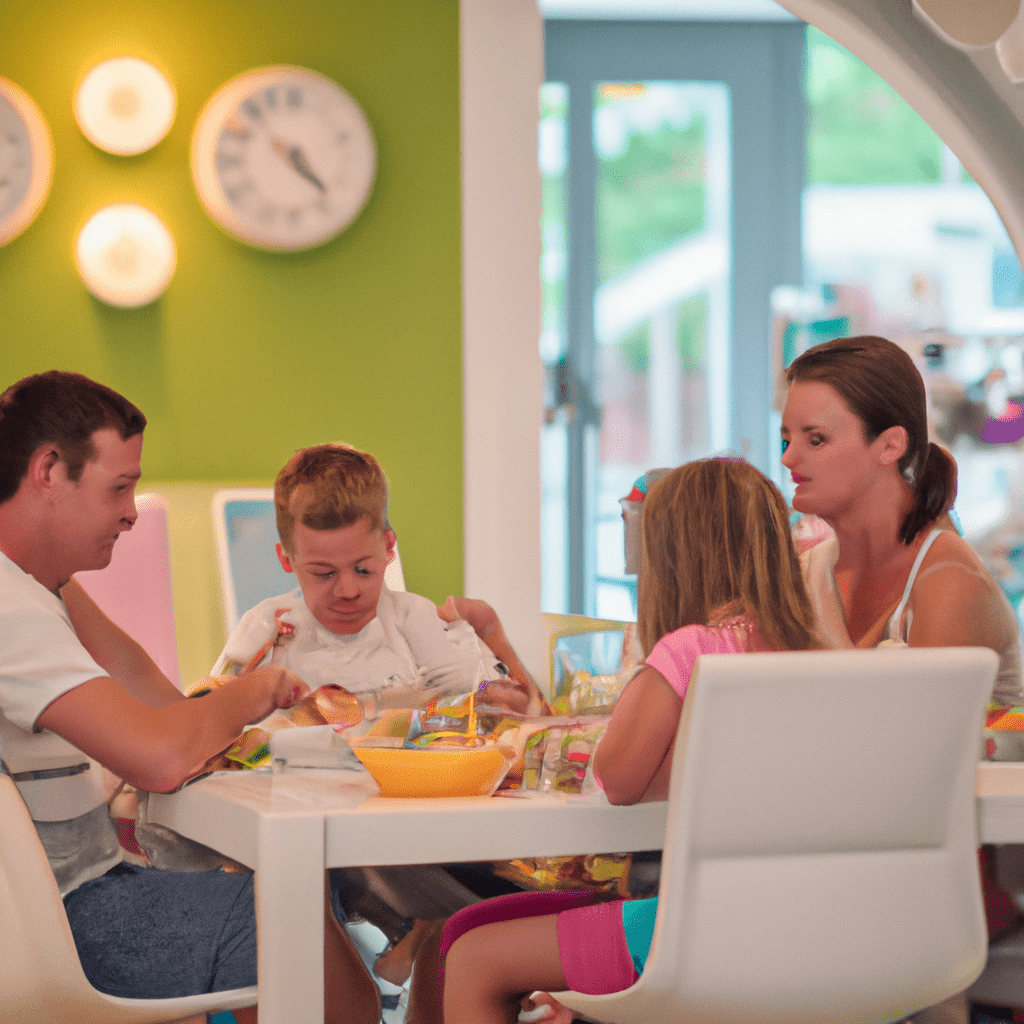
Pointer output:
x,y
245,530
135,588
41,979
820,862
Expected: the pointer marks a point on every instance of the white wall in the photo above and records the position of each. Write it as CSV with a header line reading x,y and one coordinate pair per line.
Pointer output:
x,y
502,52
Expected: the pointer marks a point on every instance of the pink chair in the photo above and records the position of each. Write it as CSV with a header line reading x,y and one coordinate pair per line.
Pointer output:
x,y
135,589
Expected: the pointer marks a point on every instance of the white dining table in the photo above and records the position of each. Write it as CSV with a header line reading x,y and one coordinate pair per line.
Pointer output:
x,y
289,824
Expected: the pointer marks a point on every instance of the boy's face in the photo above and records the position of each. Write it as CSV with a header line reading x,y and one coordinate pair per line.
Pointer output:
x,y
341,572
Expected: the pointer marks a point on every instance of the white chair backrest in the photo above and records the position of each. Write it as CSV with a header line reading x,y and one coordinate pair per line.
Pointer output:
x,y
820,861
245,529
41,979
135,588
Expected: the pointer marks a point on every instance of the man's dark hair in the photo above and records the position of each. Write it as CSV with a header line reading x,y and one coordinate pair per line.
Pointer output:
x,y
65,410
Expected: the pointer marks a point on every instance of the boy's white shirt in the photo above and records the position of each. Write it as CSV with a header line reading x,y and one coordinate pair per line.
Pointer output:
x,y
407,644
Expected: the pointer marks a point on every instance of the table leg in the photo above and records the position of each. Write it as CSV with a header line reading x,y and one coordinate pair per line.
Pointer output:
x,y
290,919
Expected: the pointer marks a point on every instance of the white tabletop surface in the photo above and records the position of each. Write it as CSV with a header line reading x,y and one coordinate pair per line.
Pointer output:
x,y
289,825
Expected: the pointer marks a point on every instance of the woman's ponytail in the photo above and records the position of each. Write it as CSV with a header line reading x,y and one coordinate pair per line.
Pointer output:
x,y
934,492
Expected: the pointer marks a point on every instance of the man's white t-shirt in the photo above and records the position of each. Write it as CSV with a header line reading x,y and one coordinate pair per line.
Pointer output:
x,y
42,658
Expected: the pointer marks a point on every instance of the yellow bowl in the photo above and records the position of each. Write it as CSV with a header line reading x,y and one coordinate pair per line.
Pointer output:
x,y
476,771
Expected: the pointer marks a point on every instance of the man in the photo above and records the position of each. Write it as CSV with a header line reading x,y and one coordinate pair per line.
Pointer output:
x,y
73,686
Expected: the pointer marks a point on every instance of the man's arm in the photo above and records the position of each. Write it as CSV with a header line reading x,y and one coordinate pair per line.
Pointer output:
x,y
115,651
159,748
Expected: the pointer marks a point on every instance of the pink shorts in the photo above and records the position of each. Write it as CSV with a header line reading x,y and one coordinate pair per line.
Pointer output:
x,y
591,939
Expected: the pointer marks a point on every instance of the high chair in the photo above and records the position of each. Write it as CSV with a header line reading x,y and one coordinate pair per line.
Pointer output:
x,y
41,979
821,861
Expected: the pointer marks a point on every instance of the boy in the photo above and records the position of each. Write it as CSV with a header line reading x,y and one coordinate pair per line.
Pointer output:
x,y
344,625
73,687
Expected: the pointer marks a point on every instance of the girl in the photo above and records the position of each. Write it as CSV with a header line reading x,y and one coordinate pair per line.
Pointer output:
x,y
718,575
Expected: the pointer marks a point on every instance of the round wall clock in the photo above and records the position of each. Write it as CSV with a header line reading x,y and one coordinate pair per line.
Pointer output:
x,y
26,160
283,158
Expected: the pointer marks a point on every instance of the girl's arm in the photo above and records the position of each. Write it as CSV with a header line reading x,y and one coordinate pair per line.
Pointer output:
x,y
634,758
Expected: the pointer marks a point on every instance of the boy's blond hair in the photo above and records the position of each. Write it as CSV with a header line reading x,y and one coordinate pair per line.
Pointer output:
x,y
329,486
716,540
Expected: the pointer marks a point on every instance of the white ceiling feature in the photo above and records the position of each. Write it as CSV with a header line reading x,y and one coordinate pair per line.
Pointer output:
x,y
667,10
968,25
1010,50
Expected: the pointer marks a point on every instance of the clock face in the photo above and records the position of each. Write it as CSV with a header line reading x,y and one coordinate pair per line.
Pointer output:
x,y
283,158
26,160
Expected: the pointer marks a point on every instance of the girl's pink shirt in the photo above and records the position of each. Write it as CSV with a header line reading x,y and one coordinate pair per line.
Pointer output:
x,y
675,654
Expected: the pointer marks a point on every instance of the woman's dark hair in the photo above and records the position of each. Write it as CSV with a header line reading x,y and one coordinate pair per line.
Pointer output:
x,y
65,410
879,381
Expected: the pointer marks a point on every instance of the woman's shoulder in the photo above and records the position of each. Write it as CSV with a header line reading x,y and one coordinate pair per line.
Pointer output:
x,y
950,550
954,589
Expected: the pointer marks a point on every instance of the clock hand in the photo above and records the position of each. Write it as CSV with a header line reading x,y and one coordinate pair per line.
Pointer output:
x,y
298,162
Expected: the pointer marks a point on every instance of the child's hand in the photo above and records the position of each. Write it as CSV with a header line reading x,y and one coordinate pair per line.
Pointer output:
x,y
542,1007
506,693
479,614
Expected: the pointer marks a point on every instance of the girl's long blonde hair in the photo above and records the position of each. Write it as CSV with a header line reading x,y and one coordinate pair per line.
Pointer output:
x,y
716,540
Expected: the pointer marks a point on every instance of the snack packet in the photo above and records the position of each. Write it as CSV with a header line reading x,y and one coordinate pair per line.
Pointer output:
x,y
602,872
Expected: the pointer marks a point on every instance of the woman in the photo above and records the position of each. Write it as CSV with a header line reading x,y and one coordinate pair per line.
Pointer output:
x,y
855,439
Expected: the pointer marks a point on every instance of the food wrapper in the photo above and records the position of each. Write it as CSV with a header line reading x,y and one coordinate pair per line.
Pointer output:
x,y
600,872
329,705
1003,735
558,755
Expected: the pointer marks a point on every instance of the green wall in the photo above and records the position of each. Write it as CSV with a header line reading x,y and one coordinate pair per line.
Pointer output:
x,y
249,354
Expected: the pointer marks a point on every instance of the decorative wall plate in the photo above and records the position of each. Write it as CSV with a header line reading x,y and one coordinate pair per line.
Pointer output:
x,y
125,255
125,105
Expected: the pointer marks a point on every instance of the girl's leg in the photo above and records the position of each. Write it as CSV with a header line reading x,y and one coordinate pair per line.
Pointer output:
x,y
489,969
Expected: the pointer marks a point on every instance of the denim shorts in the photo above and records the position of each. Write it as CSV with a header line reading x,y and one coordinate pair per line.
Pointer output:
x,y
142,933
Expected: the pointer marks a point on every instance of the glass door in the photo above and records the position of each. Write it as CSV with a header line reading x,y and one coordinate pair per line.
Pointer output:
x,y
672,158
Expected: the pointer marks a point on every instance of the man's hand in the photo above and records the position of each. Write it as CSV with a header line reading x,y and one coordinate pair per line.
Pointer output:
x,y
280,687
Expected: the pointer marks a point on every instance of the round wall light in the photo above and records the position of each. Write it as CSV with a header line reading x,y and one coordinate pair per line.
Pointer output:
x,y
125,106
125,255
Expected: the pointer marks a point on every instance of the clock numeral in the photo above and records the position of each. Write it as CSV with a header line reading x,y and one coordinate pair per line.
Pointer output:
x,y
293,96
266,212
294,215
226,161
235,126
270,97
236,192
252,108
